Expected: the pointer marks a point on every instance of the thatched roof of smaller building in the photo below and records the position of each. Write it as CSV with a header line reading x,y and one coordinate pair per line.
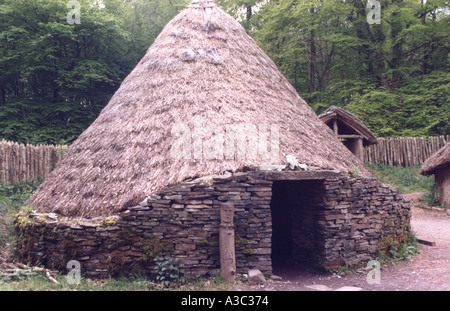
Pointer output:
x,y
439,160
351,121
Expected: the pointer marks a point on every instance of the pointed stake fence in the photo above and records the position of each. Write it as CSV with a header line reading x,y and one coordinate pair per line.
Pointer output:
x,y
404,151
20,162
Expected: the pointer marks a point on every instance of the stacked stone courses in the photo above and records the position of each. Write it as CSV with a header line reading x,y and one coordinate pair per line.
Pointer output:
x,y
351,218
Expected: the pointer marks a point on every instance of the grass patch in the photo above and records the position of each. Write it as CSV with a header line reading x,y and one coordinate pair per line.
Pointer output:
x,y
40,282
12,197
405,179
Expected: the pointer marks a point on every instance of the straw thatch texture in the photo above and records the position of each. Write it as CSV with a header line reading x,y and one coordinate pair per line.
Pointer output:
x,y
350,120
437,161
202,64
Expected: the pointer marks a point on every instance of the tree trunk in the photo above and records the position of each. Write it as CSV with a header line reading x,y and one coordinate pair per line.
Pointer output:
x,y
312,61
2,95
396,28
249,13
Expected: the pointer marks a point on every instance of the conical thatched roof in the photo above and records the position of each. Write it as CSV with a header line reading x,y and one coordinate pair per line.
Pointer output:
x,y
203,64
439,160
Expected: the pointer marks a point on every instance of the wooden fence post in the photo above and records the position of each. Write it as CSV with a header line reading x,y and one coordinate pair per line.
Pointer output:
x,y
226,243
404,151
20,162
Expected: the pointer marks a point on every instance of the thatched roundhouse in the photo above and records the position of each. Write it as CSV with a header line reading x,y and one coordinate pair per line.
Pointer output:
x,y
206,118
439,166
352,132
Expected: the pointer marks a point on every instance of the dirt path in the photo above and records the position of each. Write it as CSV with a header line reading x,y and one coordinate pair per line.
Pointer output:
x,y
427,271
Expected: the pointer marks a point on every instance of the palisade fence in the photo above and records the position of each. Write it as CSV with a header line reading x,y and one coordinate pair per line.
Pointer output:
x,y
20,162
404,151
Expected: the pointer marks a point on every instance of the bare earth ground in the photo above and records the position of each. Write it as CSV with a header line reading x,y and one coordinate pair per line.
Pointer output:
x,y
427,271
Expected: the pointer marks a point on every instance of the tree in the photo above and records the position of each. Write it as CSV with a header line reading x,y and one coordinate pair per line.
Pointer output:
x,y
243,10
332,55
56,77
143,20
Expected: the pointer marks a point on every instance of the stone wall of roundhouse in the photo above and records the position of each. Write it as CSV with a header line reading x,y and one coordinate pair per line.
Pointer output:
x,y
182,221
360,217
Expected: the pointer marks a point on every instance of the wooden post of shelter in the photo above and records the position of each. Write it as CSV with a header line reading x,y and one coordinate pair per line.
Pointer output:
x,y
359,149
226,243
335,127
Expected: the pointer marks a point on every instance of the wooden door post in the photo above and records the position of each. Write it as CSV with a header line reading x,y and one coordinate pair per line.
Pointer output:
x,y
335,127
226,243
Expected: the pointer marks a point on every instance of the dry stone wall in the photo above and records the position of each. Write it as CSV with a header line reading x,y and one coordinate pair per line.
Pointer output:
x,y
361,216
183,221
180,222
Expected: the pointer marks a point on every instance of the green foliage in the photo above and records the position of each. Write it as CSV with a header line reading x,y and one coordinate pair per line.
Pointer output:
x,y
419,108
391,250
405,179
12,197
404,251
429,196
169,271
341,270
394,75
355,173
55,77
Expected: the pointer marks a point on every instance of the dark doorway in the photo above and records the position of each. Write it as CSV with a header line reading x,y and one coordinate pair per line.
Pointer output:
x,y
296,238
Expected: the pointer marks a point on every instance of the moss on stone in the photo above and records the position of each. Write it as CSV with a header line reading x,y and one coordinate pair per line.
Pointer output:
x,y
211,244
154,247
24,227
249,251
109,221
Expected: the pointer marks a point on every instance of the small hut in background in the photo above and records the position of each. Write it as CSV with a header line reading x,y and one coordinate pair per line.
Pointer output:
x,y
349,129
439,166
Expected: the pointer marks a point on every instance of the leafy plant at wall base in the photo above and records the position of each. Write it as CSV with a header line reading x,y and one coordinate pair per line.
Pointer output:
x,y
405,250
341,270
395,251
168,271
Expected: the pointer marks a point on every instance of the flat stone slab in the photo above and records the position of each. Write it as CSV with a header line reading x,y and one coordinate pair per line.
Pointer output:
x,y
319,287
348,289
256,277
300,175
